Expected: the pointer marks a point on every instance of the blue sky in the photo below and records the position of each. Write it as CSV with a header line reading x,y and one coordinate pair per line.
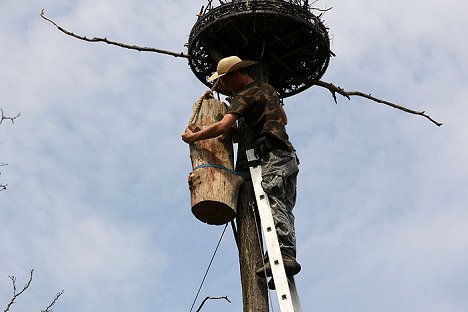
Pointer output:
x,y
98,201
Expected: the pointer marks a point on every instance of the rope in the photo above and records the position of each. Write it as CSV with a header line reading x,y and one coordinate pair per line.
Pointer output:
x,y
209,266
196,109
197,106
217,166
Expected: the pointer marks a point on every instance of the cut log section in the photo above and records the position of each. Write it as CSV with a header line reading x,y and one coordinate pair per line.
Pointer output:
x,y
213,184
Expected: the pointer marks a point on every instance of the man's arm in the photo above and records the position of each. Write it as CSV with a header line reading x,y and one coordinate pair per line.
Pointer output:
x,y
212,131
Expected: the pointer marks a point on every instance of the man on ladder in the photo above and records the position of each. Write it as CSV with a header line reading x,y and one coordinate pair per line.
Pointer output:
x,y
260,106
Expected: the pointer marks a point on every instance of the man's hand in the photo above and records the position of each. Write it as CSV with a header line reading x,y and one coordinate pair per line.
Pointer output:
x,y
193,133
188,136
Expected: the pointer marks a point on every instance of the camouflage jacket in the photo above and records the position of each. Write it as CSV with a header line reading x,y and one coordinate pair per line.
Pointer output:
x,y
259,105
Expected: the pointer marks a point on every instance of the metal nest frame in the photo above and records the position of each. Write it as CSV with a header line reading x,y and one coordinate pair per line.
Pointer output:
x,y
285,37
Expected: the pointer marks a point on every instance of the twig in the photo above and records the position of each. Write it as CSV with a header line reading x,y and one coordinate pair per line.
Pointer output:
x,y
335,89
331,87
119,44
322,10
57,296
212,298
306,4
3,187
15,294
8,118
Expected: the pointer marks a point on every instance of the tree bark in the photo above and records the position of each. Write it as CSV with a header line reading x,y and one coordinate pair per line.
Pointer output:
x,y
213,184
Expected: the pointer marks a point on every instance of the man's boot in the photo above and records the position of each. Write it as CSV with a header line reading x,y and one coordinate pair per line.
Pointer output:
x,y
291,266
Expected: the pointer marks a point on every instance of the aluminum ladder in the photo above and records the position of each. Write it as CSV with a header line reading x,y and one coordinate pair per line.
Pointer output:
x,y
286,292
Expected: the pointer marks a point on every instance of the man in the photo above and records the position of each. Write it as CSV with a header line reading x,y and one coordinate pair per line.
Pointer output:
x,y
259,106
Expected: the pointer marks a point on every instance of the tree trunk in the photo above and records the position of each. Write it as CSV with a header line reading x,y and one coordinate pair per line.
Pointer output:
x,y
213,184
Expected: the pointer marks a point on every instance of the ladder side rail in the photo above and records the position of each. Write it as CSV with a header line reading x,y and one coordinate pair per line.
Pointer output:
x,y
271,239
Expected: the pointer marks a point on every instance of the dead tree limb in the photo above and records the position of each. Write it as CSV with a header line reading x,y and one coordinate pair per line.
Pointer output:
x,y
57,296
330,86
26,286
3,187
119,44
3,117
212,298
335,89
17,294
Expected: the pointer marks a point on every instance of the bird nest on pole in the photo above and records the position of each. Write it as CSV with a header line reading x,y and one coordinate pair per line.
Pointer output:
x,y
285,37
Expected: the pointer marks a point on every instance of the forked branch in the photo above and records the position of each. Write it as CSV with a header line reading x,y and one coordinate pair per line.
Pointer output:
x,y
335,89
3,117
17,294
119,44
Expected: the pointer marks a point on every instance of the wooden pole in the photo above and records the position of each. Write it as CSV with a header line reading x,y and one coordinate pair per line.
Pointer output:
x,y
254,289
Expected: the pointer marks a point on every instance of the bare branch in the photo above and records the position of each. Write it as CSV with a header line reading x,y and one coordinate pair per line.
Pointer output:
x,y
212,298
15,294
26,286
57,296
322,10
119,44
3,187
307,5
330,86
335,89
8,118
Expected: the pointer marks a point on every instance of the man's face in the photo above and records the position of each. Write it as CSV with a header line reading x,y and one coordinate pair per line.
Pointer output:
x,y
230,81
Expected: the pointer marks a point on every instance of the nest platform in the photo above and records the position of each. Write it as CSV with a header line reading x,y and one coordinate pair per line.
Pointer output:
x,y
285,37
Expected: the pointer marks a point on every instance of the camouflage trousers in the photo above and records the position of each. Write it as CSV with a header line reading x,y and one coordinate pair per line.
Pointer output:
x,y
279,176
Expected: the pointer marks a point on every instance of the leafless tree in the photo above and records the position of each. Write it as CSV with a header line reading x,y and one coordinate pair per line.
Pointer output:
x,y
17,293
